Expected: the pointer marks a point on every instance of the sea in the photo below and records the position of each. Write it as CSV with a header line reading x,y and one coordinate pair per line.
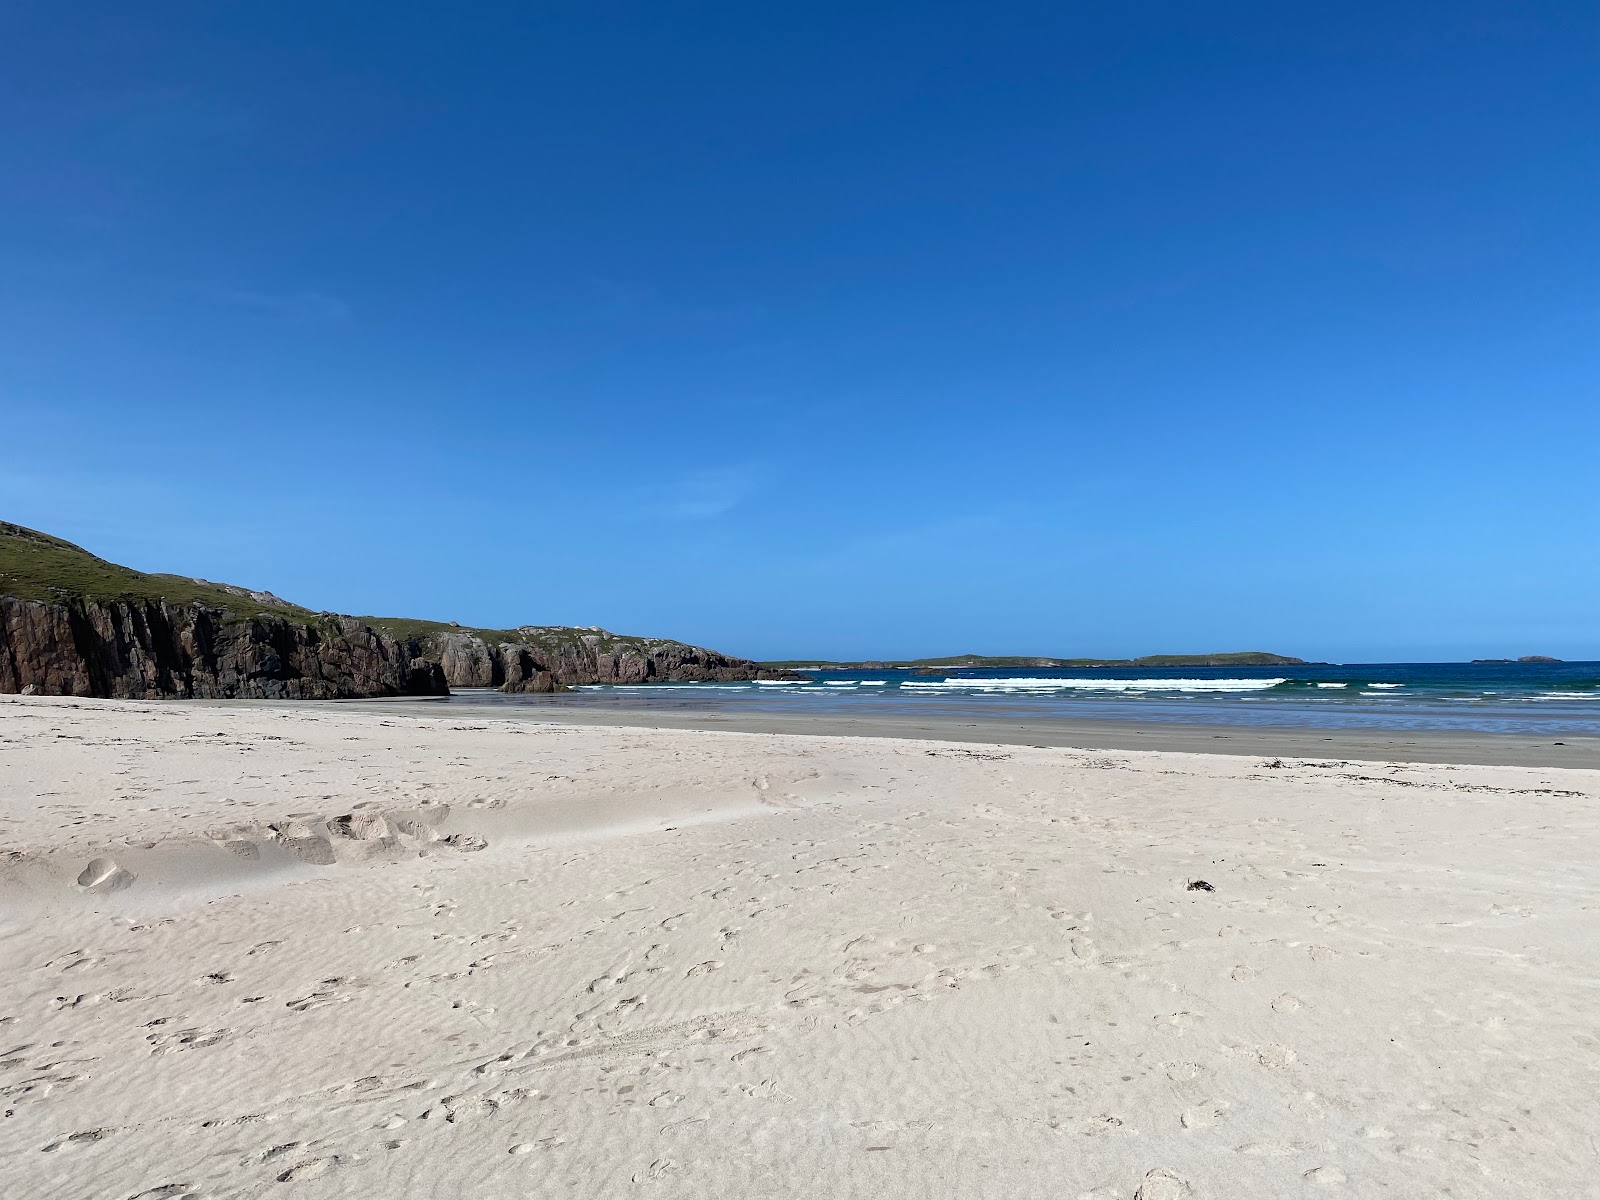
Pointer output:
x,y
1547,699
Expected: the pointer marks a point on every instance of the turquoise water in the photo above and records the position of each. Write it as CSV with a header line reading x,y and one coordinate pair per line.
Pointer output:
x,y
1542,698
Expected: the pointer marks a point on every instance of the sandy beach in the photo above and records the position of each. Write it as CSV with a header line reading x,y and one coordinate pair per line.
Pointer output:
x,y
357,951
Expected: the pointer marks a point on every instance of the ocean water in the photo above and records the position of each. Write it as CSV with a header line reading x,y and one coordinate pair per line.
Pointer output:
x,y
1534,698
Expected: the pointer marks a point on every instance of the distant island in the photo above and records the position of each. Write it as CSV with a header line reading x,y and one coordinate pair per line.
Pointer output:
x,y
1526,658
72,624
1247,658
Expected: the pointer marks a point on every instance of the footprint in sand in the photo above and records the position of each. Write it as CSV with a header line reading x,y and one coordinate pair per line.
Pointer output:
x,y
74,1141
1265,1150
310,1169
326,993
1203,1116
171,1041
654,1171
1162,1184
1276,1057
77,959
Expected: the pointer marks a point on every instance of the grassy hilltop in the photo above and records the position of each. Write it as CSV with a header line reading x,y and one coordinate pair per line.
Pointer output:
x,y
37,566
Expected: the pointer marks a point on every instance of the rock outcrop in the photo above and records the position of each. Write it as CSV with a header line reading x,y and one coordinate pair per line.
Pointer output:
x,y
547,658
72,624
469,660
152,649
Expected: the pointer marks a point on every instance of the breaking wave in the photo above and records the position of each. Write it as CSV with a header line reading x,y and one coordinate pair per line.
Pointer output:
x,y
1098,685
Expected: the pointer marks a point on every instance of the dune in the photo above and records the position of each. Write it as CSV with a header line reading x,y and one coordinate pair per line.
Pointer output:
x,y
324,952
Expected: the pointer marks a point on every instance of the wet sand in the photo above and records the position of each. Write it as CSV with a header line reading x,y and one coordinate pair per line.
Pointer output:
x,y
1418,746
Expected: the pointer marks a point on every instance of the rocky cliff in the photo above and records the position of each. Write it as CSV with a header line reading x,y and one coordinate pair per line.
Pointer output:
x,y
147,649
535,657
72,624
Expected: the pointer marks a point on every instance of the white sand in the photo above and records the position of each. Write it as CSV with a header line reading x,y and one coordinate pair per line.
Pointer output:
x,y
551,961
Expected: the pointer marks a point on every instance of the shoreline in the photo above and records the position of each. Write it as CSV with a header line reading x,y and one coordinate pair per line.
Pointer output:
x,y
1410,746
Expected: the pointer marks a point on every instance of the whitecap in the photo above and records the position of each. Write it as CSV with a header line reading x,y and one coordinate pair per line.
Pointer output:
x,y
1102,685
1333,685
1386,685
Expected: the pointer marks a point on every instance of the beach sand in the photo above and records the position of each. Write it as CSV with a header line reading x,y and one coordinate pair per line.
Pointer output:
x,y
331,951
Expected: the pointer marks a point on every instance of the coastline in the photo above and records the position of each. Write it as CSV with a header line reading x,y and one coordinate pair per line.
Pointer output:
x,y
1418,746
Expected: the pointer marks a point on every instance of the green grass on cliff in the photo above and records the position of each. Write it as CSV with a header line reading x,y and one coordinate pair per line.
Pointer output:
x,y
551,636
36,566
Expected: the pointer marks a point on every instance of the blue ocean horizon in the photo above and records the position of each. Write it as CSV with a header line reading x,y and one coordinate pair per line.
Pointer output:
x,y
1552,699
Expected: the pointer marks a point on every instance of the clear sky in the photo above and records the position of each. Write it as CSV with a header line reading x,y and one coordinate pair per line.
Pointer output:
x,y
822,329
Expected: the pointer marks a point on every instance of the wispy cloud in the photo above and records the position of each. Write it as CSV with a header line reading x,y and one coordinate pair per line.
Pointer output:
x,y
310,308
702,495
635,304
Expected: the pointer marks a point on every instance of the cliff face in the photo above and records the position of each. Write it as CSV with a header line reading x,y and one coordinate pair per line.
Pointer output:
x,y
72,624
469,661
153,649
545,659
136,650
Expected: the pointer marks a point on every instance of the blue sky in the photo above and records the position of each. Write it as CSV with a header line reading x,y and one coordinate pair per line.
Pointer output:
x,y
822,330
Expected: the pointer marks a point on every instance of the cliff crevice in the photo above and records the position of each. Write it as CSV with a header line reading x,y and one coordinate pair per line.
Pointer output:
x,y
152,649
